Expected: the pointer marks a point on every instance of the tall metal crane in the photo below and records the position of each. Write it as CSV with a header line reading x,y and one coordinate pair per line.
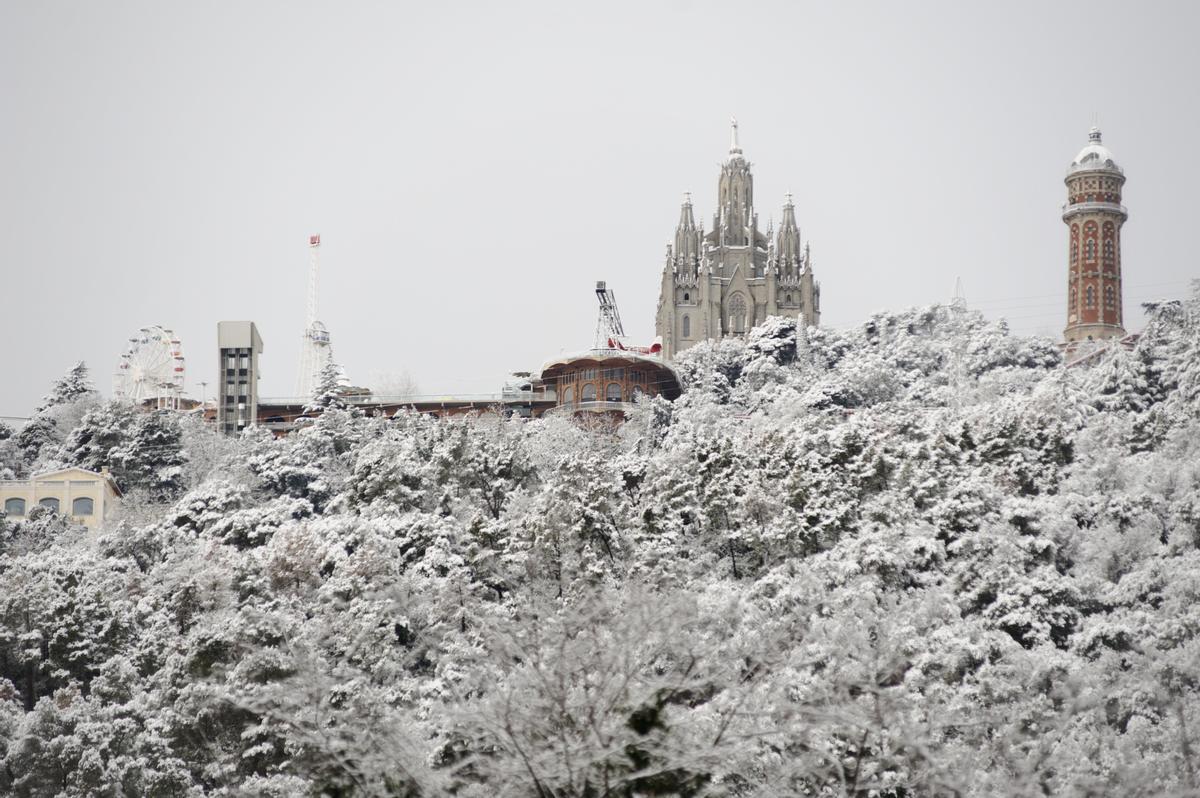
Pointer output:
x,y
609,330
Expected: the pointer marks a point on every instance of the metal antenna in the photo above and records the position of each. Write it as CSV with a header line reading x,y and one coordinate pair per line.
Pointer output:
x,y
314,248
315,349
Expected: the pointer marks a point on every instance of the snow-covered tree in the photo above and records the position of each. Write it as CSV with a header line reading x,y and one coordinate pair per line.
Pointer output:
x,y
328,392
40,434
76,384
143,450
915,557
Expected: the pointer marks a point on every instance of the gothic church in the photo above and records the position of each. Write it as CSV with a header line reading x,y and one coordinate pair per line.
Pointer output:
x,y
726,281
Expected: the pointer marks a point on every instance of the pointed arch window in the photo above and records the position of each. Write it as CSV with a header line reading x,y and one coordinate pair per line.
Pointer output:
x,y
737,314
1110,297
1090,300
687,327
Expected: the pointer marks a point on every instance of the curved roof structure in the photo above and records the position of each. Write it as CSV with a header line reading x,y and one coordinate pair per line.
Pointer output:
x,y
1094,156
613,358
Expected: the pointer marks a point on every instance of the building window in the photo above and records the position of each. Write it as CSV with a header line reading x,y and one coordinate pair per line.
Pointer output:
x,y
1090,253
49,503
568,396
588,393
737,314
1090,301
687,327
82,506
1110,297
686,296
612,392
14,506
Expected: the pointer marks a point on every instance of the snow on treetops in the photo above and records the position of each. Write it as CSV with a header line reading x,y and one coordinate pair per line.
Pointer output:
x,y
917,557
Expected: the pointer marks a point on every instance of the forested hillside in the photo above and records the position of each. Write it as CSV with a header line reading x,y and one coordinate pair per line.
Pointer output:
x,y
917,558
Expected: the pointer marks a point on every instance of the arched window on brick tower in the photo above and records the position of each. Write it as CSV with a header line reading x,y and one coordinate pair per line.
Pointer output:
x,y
1110,247
1090,302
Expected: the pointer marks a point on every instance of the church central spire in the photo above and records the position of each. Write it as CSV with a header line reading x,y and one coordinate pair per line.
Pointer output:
x,y
735,223
735,150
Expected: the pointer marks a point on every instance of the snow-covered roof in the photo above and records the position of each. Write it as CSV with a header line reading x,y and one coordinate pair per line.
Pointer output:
x,y
1094,156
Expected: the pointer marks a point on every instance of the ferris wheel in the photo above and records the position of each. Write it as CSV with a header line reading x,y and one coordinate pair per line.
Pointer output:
x,y
151,369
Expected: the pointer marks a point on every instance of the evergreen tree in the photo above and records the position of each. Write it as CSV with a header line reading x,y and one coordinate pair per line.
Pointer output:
x,y
916,557
328,391
39,434
143,450
71,387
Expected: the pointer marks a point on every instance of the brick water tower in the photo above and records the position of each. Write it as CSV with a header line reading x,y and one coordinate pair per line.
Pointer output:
x,y
1094,214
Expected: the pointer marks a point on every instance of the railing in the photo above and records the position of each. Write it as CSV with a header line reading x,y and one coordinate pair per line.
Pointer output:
x,y
598,406
503,397
1071,209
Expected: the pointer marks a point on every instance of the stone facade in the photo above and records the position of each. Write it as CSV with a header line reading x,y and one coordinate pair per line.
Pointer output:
x,y
726,281
1094,215
86,496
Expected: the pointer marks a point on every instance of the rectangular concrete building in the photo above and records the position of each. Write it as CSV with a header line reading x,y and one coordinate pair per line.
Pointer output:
x,y
238,348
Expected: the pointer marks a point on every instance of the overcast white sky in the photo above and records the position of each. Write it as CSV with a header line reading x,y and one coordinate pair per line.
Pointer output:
x,y
473,168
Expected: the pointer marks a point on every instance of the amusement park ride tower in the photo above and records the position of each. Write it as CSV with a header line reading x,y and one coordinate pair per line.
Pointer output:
x,y
315,349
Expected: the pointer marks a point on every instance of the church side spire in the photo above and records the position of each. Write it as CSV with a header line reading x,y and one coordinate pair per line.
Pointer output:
x,y
787,241
687,237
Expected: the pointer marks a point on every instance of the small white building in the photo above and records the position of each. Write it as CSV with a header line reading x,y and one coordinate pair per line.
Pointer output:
x,y
86,496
